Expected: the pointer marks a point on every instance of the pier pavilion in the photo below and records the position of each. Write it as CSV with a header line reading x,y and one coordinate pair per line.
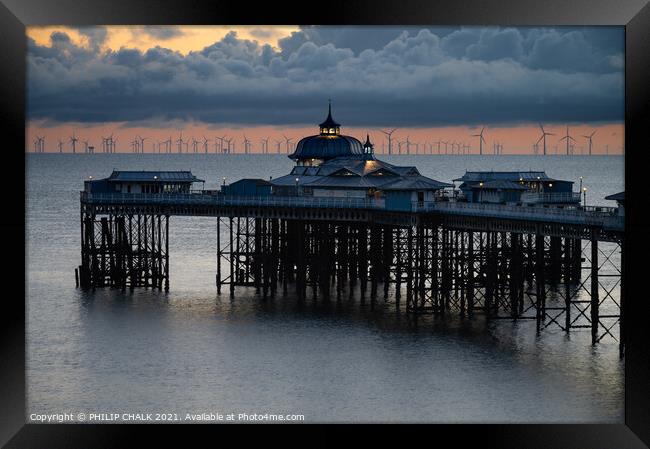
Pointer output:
x,y
143,182
538,187
333,165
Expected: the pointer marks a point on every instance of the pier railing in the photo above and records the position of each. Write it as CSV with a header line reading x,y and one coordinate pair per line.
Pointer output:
x,y
607,216
596,216
550,197
225,200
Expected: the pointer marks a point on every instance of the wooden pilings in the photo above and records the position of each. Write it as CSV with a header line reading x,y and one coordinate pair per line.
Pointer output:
x,y
440,267
116,252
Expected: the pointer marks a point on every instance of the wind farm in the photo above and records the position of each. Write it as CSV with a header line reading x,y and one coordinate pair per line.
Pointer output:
x,y
547,140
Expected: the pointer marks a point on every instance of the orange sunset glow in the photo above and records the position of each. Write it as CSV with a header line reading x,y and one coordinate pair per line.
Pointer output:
x,y
272,82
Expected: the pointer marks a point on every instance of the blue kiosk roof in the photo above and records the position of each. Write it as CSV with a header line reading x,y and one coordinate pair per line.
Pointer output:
x,y
153,176
477,176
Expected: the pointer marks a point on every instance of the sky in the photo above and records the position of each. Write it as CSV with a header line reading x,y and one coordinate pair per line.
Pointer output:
x,y
431,83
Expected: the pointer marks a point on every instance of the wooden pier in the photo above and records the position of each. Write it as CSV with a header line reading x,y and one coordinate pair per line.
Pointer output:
x,y
558,267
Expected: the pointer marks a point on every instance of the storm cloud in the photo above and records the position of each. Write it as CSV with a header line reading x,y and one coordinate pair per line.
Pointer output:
x,y
375,76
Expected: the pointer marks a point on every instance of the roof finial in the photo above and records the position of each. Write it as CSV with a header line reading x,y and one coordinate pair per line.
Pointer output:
x,y
329,122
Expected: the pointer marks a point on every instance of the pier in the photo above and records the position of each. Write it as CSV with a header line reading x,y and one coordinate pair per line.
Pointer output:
x,y
440,257
507,245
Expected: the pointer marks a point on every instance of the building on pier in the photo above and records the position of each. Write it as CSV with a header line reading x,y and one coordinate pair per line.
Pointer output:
x,y
539,188
333,165
620,201
497,191
143,182
248,187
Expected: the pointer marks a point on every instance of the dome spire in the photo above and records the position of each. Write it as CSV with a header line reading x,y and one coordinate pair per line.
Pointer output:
x,y
368,147
329,126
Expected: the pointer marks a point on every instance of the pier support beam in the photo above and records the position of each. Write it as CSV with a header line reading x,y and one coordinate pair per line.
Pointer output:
x,y
458,266
112,256
595,301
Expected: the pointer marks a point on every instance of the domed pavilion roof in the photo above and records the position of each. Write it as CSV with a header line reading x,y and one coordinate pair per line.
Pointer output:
x,y
330,143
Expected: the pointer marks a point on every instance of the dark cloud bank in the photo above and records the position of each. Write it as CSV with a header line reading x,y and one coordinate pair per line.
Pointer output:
x,y
375,76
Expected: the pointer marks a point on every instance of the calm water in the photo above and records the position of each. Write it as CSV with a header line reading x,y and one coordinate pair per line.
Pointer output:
x,y
191,351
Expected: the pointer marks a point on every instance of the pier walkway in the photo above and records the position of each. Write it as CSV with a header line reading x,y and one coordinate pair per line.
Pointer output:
x,y
606,217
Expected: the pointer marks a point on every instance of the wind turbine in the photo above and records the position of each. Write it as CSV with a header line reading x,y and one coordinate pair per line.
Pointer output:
x,y
568,139
205,144
589,137
85,142
389,134
247,145
180,142
543,137
39,144
220,139
288,141
111,144
277,145
480,140
142,139
265,145
60,146
73,141
408,145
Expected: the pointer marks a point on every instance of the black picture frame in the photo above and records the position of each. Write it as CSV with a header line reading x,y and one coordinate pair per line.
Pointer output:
x,y
633,14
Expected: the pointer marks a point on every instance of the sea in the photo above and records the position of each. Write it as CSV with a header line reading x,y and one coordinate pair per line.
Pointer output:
x,y
190,352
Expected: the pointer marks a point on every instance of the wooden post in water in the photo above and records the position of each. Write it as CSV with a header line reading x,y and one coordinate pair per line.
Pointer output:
x,y
233,274
567,284
166,253
470,274
622,329
539,280
410,268
595,300
218,275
